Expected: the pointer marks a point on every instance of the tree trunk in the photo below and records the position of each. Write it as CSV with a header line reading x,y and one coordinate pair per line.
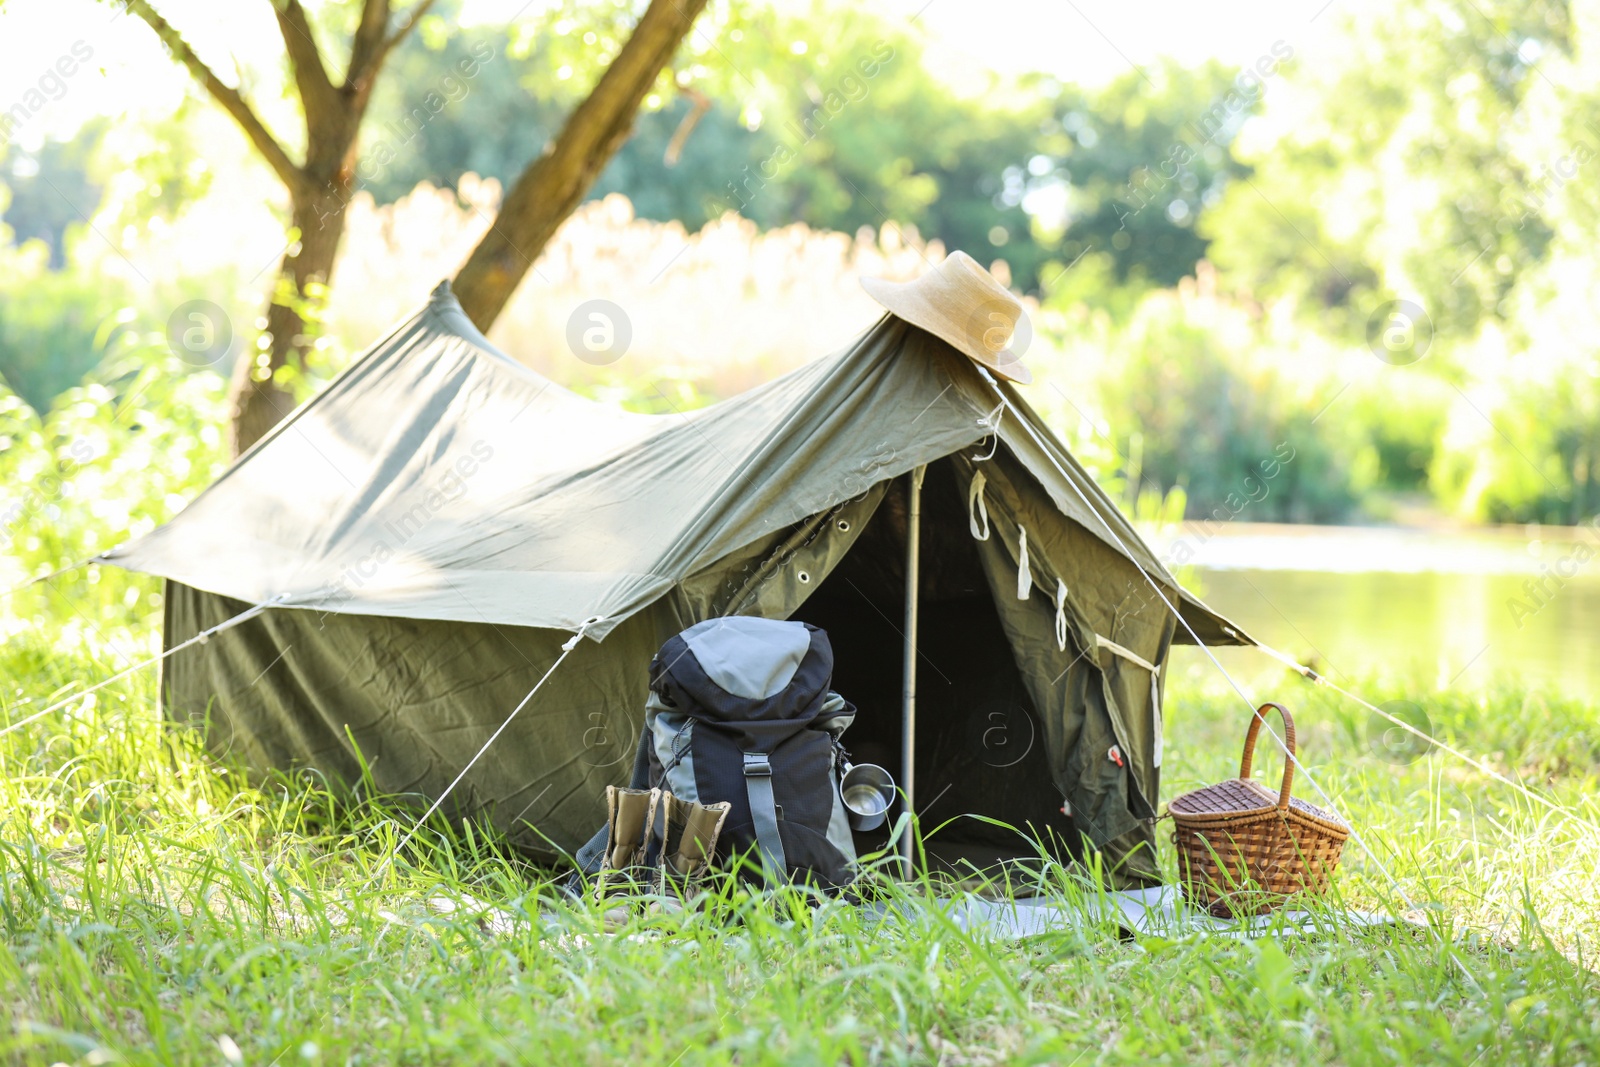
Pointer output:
x,y
255,401
318,190
554,184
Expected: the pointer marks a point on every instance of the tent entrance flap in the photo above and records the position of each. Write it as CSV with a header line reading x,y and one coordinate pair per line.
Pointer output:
x,y
980,748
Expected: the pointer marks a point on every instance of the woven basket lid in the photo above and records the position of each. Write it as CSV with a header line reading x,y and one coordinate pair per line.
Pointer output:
x,y
1239,796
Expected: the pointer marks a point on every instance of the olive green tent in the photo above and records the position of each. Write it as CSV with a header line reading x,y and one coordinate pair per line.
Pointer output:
x,y
429,531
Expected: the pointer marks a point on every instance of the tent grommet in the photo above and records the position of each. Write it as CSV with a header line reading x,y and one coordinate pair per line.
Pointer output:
x,y
805,577
844,525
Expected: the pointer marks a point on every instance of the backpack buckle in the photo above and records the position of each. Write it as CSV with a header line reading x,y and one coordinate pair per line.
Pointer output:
x,y
756,765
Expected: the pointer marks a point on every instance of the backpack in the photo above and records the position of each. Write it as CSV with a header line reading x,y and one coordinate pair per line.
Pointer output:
x,y
740,711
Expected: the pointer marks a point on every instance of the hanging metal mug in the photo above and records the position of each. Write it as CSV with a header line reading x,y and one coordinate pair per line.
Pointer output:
x,y
867,791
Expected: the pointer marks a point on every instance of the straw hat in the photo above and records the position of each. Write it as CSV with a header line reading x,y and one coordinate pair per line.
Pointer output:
x,y
960,302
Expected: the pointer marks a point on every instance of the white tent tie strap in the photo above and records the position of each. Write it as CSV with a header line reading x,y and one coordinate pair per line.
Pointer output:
x,y
977,510
1061,615
198,639
566,649
1102,641
1482,768
991,424
1156,587
1155,719
1024,571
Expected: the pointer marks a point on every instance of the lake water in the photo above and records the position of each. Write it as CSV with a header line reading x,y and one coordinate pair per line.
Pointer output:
x,y
1457,608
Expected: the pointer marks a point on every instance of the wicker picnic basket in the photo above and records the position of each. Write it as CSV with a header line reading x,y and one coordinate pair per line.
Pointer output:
x,y
1242,851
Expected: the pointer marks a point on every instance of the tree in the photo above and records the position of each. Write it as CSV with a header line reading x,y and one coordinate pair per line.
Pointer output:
x,y
322,181
1142,158
1404,165
318,185
46,184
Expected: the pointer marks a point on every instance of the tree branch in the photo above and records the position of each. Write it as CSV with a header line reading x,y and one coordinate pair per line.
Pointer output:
x,y
407,26
371,48
318,96
553,185
368,53
232,102
368,41
699,104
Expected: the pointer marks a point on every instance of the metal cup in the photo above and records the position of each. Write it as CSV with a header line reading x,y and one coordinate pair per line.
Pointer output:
x,y
867,791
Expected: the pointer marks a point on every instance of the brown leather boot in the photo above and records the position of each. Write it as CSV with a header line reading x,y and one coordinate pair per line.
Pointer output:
x,y
631,815
690,841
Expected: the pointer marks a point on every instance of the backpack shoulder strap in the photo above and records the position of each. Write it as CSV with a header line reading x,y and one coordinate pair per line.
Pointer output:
x,y
764,813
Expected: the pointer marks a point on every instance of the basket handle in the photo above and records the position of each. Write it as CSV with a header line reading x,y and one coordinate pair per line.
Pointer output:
x,y
1288,738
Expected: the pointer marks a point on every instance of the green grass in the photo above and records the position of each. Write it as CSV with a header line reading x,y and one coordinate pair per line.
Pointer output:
x,y
158,909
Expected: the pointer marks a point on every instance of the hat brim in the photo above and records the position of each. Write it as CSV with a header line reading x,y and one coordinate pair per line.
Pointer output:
x,y
906,301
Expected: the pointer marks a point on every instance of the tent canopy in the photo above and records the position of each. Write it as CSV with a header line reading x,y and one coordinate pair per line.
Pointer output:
x,y
432,526
438,478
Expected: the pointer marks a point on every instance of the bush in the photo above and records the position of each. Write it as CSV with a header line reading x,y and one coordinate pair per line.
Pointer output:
x,y
112,459
1527,451
54,325
1403,419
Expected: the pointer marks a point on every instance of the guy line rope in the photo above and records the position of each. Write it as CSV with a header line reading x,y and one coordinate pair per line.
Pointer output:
x,y
1317,678
58,572
198,639
566,649
256,609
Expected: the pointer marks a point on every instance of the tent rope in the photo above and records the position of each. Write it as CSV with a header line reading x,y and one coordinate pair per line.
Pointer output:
x,y
1317,678
31,582
566,649
991,426
1288,753
198,639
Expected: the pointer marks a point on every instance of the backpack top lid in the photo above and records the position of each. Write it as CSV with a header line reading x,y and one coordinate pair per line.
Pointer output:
x,y
744,669
746,656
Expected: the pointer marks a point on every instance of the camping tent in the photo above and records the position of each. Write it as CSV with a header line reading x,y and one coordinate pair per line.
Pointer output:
x,y
431,529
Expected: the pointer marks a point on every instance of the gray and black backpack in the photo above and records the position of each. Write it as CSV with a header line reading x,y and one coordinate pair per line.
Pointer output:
x,y
740,712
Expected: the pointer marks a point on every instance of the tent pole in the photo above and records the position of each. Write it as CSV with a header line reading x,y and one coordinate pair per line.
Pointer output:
x,y
908,693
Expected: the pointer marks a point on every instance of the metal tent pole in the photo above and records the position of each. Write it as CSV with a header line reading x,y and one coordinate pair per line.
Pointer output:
x,y
908,693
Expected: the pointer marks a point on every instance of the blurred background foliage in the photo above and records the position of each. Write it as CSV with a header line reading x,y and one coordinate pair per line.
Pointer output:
x,y
1205,248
